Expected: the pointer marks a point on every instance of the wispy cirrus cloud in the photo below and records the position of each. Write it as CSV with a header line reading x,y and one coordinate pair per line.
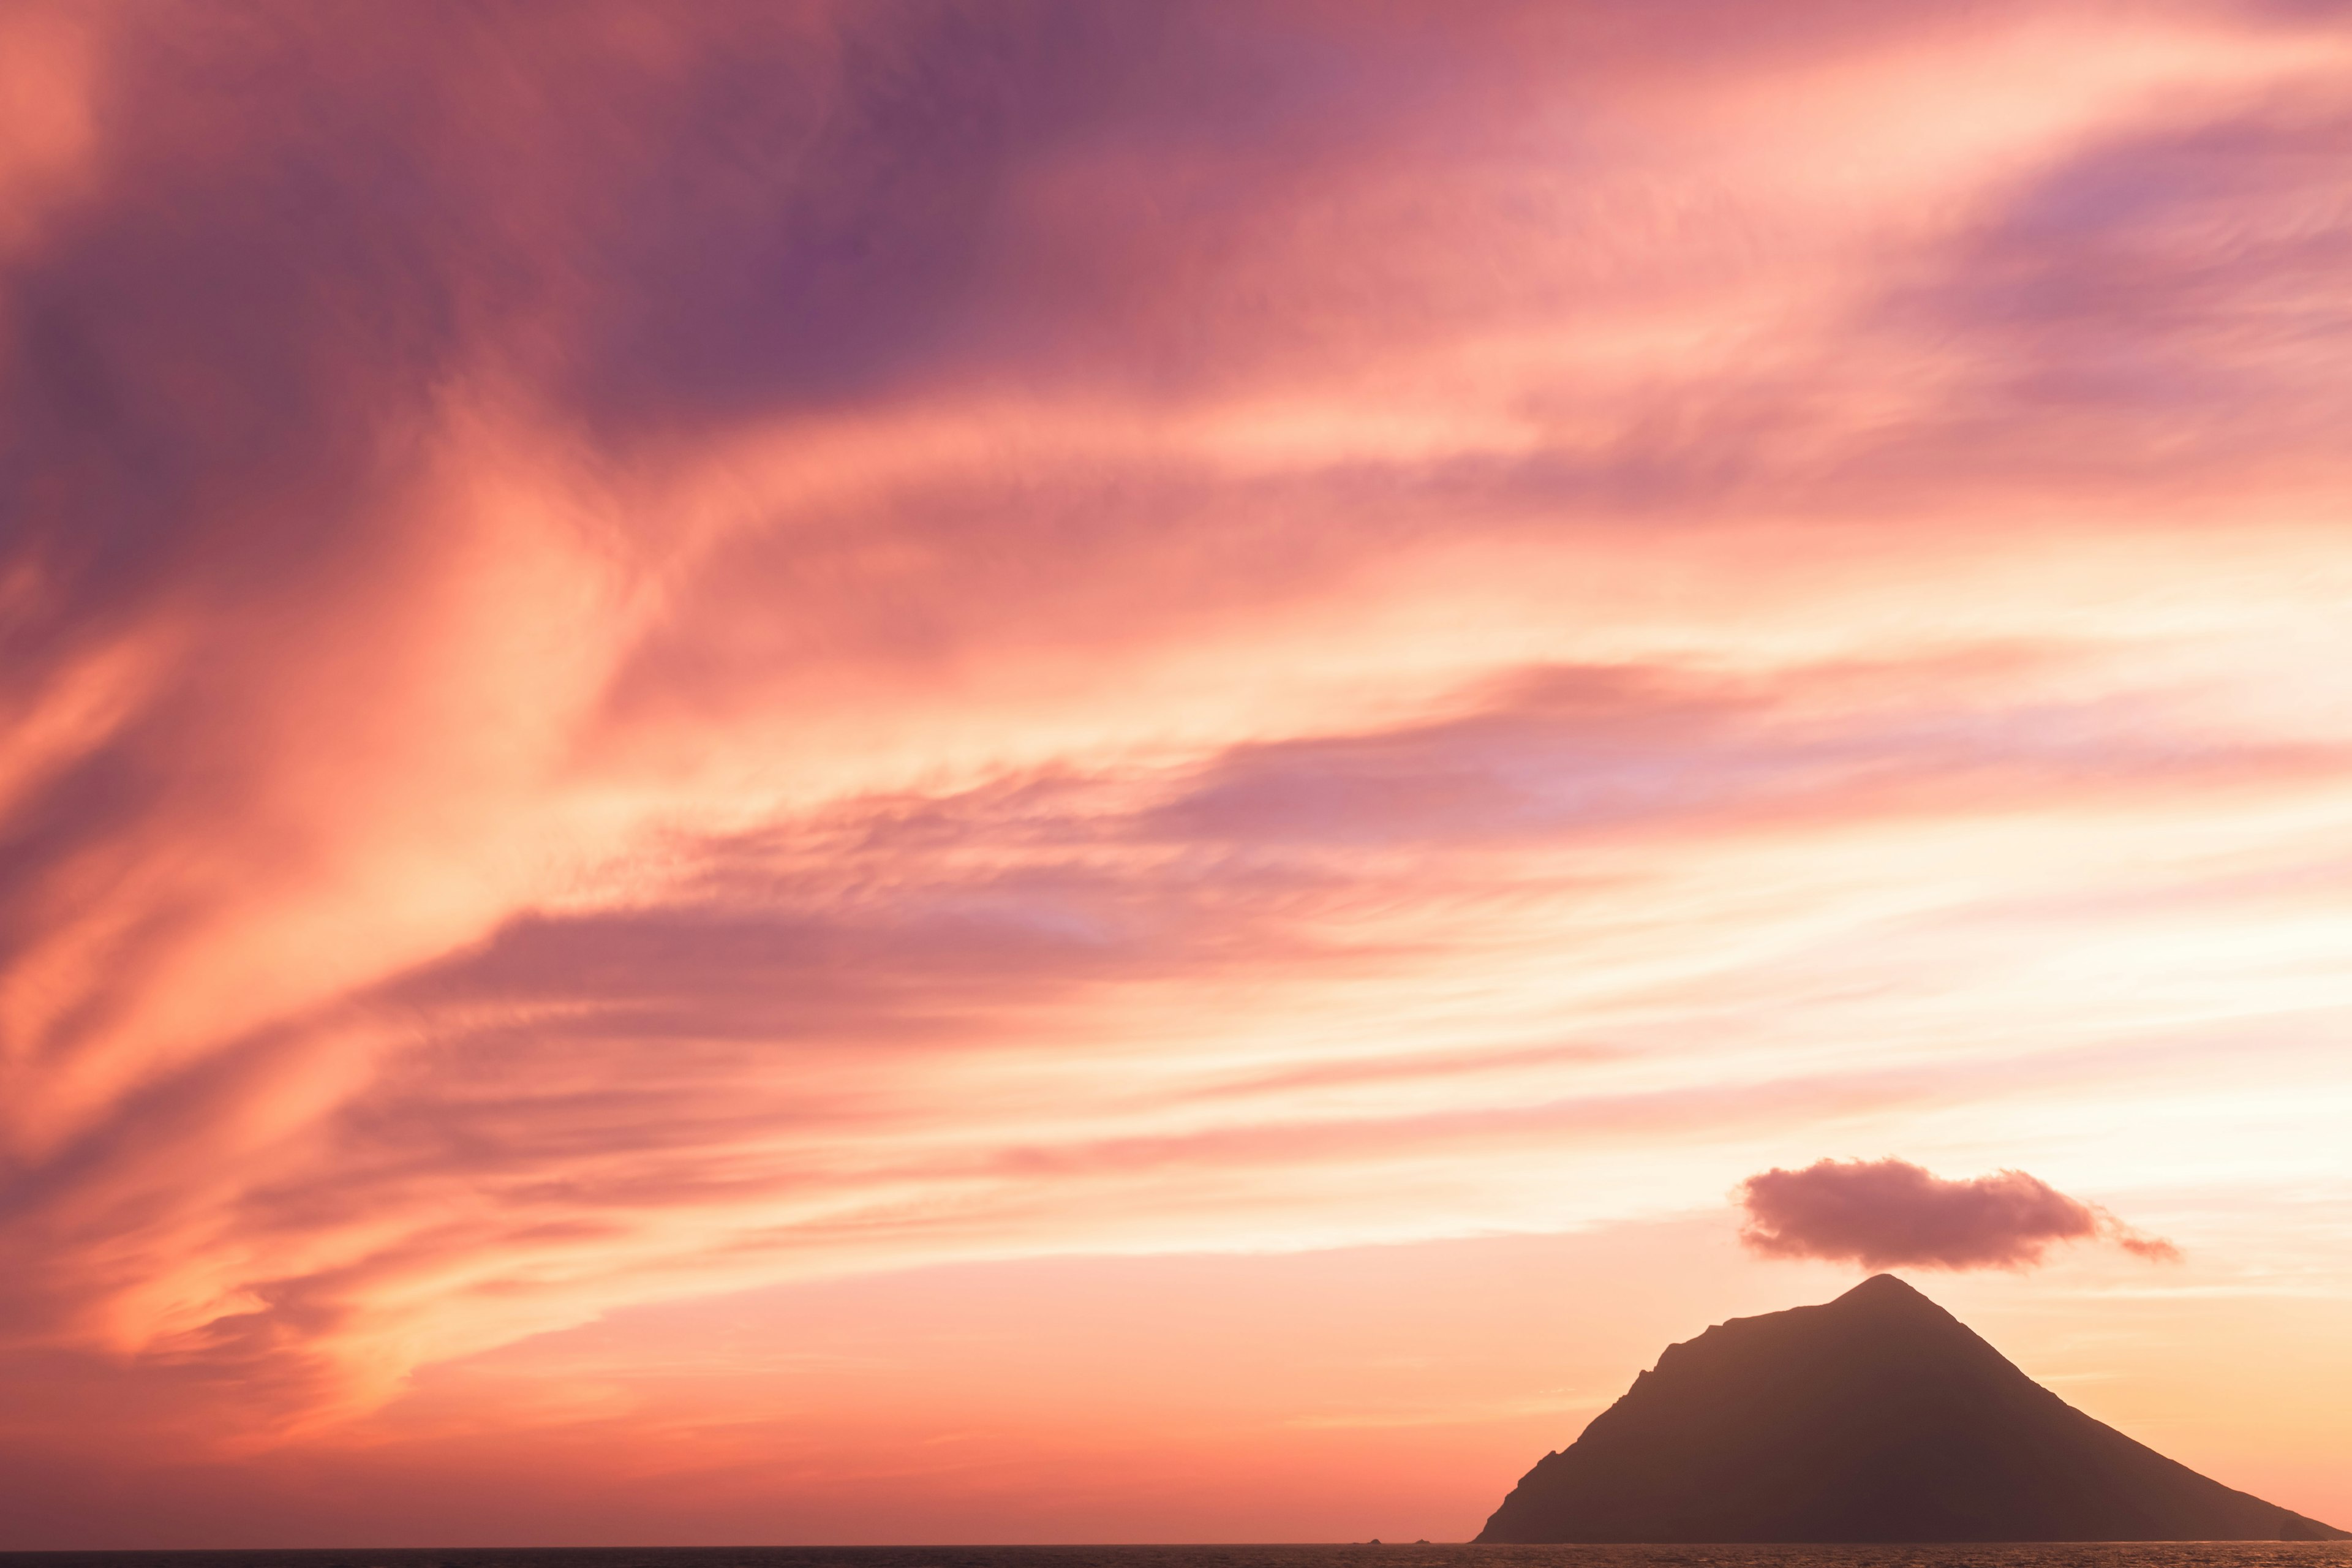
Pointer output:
x,y
650,652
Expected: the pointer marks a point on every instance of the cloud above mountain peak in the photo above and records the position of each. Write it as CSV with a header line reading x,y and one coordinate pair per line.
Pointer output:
x,y
1884,1214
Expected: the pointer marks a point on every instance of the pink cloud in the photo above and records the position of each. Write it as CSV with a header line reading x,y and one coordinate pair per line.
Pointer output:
x,y
1889,1212
652,649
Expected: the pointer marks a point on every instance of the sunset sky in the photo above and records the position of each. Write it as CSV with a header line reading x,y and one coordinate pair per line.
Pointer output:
x,y
1085,772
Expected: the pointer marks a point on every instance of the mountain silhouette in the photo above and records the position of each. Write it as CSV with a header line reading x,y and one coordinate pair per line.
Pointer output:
x,y
1877,1417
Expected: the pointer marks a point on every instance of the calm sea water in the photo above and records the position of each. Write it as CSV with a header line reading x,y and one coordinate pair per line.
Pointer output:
x,y
2132,1554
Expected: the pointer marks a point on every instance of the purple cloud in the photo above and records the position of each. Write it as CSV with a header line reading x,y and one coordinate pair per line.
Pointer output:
x,y
1884,1213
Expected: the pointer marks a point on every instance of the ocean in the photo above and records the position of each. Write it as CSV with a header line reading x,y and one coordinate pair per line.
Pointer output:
x,y
2062,1554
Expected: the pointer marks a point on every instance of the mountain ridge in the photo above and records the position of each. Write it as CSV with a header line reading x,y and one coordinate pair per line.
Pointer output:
x,y
1877,1417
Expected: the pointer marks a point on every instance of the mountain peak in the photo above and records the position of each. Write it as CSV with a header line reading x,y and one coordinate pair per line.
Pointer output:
x,y
1876,1416
1884,1293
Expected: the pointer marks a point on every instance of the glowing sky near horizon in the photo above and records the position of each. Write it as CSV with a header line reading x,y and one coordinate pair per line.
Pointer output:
x,y
1071,772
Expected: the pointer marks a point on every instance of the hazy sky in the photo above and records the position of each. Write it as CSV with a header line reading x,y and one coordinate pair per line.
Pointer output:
x,y
1096,772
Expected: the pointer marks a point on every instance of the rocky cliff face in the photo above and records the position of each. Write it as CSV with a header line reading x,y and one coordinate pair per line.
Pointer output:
x,y
1877,1417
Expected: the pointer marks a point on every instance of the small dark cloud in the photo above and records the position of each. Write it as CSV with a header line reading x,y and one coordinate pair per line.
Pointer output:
x,y
1885,1213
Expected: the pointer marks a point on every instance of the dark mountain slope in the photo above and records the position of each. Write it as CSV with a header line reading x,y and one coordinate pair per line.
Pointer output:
x,y
1878,1416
